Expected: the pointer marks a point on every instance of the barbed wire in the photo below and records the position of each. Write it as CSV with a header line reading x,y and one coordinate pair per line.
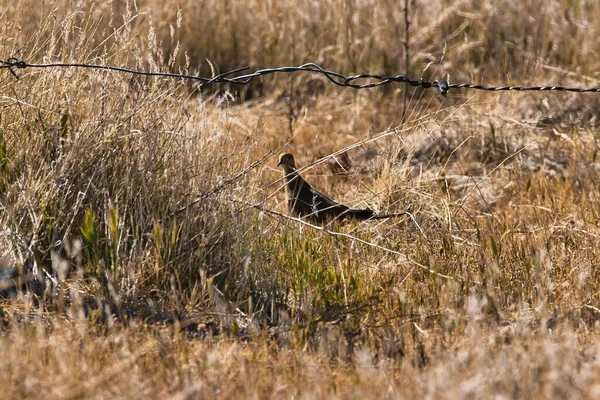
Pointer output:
x,y
14,63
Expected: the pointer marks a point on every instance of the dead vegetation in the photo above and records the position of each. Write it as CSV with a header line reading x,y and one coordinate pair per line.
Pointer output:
x,y
136,217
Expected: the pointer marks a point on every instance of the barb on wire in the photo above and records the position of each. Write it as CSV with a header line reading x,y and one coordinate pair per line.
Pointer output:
x,y
336,78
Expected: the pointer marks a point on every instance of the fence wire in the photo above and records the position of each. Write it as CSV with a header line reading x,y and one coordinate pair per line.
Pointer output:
x,y
353,81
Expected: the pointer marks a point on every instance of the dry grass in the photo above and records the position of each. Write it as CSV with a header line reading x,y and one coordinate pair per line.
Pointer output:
x,y
145,270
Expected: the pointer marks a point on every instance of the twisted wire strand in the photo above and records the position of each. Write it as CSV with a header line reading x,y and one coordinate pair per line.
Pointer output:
x,y
14,63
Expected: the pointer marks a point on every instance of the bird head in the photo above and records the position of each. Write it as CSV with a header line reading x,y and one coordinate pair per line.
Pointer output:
x,y
287,161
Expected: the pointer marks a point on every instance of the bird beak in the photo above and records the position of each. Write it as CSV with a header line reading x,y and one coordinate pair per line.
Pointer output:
x,y
279,163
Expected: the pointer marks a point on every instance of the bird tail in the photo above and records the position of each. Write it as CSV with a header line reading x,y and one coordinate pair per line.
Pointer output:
x,y
358,214
382,216
365,214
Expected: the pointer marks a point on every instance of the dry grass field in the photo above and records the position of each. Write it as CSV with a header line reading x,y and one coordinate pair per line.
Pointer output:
x,y
141,216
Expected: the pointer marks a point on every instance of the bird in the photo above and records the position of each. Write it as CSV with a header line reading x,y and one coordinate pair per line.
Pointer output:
x,y
306,202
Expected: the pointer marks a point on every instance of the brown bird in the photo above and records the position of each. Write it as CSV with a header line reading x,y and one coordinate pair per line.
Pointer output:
x,y
305,201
